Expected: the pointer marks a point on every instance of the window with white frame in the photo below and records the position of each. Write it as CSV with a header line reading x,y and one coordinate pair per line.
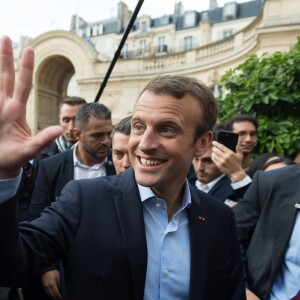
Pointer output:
x,y
124,52
227,33
188,43
161,44
142,46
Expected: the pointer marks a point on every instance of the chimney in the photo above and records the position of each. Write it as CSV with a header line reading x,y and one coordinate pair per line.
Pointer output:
x,y
213,4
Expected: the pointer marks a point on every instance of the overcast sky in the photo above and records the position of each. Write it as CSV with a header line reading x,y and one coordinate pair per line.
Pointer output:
x,y
34,17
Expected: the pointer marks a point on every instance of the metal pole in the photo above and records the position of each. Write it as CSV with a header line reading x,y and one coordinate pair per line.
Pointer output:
x,y
117,53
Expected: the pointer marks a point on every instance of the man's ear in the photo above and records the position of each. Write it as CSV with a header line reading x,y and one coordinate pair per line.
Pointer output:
x,y
203,143
77,133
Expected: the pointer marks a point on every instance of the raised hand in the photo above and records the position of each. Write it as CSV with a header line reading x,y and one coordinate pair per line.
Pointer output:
x,y
16,144
229,162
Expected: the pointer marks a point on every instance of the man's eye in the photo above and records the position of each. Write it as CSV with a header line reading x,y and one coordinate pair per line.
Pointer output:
x,y
138,127
166,129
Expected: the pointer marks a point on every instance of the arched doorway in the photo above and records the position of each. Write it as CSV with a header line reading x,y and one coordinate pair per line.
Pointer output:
x,y
53,77
61,57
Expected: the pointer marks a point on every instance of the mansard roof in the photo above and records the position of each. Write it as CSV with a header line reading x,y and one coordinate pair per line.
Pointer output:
x,y
243,10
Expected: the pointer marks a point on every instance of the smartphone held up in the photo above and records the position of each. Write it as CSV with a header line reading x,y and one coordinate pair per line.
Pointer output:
x,y
228,139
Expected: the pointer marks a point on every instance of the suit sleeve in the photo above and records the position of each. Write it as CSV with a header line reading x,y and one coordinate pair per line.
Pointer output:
x,y
40,195
247,213
29,247
235,284
239,193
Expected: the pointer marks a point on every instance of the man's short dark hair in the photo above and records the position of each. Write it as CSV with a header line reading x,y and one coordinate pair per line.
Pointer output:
x,y
72,101
91,109
242,118
178,86
124,126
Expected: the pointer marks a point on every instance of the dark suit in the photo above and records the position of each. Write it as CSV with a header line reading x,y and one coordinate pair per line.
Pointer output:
x,y
54,173
97,228
265,219
223,190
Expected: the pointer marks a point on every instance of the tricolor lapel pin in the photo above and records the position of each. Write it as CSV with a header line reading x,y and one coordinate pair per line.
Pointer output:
x,y
297,205
201,218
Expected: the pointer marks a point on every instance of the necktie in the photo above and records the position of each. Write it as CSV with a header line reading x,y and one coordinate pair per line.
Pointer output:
x,y
297,297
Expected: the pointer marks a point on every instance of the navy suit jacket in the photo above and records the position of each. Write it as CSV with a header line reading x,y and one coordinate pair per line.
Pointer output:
x,y
223,190
265,221
53,174
97,229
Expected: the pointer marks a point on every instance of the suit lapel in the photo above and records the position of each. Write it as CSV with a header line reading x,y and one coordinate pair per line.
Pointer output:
x,y
109,166
199,244
130,213
69,166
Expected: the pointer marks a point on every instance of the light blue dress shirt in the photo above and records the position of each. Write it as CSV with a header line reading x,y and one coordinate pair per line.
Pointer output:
x,y
287,282
168,244
9,187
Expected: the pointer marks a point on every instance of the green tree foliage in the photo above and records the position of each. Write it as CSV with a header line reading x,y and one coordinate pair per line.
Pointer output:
x,y
268,88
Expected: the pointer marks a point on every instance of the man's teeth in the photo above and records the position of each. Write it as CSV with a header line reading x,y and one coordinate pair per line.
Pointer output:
x,y
148,162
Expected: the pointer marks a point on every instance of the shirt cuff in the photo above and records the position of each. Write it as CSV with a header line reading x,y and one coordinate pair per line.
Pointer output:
x,y
239,184
9,187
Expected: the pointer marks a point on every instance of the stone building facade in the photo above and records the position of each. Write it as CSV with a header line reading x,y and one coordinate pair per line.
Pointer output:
x,y
201,44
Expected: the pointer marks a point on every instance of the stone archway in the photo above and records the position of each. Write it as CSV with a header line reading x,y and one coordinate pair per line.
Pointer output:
x,y
59,56
52,79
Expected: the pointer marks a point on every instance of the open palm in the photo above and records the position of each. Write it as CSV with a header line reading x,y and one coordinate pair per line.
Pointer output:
x,y
16,144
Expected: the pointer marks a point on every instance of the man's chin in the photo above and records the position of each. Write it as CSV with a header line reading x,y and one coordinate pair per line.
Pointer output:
x,y
247,153
145,179
71,140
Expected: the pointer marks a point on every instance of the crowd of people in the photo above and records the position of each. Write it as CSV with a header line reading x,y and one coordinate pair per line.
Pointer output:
x,y
154,207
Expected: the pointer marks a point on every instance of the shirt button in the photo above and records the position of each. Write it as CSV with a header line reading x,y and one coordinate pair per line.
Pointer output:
x,y
166,272
158,205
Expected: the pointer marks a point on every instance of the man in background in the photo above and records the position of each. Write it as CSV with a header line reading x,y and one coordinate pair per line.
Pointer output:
x,y
89,158
120,138
218,181
67,113
246,127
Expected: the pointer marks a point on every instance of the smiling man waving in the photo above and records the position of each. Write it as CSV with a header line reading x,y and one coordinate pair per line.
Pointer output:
x,y
144,234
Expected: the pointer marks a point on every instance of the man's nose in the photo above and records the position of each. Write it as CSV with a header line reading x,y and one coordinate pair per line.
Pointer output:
x,y
106,139
126,162
71,125
149,140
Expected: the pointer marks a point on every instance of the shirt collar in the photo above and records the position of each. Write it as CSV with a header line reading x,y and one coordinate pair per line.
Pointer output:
x,y
146,193
210,184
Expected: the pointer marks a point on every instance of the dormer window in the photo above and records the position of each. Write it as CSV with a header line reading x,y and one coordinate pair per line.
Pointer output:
x,y
95,30
230,11
100,29
144,27
88,32
190,19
